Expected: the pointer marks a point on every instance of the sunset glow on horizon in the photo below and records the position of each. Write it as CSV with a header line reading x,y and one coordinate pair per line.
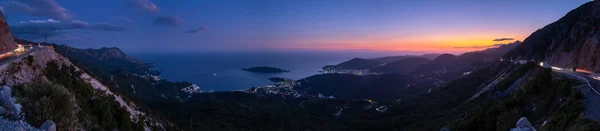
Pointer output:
x,y
451,43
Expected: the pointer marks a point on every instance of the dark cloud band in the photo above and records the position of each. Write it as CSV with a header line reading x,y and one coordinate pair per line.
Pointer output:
x,y
196,30
503,39
168,20
45,8
36,29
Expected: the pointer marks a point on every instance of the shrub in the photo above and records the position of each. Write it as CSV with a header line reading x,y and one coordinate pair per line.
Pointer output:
x,y
43,101
29,60
101,110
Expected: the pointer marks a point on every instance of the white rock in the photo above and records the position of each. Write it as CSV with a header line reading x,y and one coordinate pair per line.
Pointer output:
x,y
48,126
523,125
2,110
7,101
381,108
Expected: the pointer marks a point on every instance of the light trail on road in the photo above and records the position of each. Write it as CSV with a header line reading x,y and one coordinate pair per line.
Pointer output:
x,y
576,74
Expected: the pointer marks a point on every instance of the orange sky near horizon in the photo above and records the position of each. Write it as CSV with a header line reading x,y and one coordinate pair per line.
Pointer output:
x,y
455,43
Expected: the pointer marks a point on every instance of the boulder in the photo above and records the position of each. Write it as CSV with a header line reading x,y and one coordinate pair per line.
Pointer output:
x,y
523,125
7,102
48,126
2,110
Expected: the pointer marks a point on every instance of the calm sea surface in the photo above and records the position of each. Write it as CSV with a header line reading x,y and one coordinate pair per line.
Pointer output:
x,y
222,71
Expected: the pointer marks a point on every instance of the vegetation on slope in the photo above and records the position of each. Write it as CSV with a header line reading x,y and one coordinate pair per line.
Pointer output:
x,y
549,102
237,111
124,75
66,93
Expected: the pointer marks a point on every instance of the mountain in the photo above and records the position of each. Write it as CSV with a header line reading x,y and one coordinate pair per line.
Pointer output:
x,y
402,66
264,69
570,41
137,79
367,64
431,56
356,64
449,67
389,59
6,39
504,48
110,59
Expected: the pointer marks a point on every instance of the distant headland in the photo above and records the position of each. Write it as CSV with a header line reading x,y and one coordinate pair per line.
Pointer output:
x,y
264,69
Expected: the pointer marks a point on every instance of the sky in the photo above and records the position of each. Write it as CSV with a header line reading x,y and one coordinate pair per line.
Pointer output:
x,y
280,25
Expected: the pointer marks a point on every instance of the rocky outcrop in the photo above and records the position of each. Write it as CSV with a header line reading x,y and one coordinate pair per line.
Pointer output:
x,y
7,43
11,109
48,126
523,125
10,118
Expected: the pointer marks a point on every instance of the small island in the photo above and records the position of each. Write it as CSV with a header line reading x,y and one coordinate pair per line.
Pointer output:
x,y
279,79
264,69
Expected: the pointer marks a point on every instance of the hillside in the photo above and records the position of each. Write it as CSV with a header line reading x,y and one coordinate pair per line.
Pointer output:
x,y
402,66
49,78
136,79
570,41
355,64
375,87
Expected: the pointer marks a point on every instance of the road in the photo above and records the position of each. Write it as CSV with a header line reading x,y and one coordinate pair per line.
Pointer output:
x,y
592,83
592,101
20,55
590,90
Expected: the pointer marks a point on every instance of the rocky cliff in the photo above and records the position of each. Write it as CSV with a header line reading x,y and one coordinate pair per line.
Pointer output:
x,y
7,43
571,41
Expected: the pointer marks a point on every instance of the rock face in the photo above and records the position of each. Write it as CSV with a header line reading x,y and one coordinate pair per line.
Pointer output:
x,y
571,41
7,43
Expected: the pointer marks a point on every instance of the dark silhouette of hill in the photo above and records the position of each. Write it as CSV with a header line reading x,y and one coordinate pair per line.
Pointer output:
x,y
402,66
264,69
356,64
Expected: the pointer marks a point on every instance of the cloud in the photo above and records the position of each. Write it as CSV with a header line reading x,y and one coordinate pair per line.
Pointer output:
x,y
196,30
143,5
36,29
503,39
42,8
168,20
122,18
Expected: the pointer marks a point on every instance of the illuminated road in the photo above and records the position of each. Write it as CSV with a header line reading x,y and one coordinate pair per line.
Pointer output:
x,y
9,57
592,100
590,78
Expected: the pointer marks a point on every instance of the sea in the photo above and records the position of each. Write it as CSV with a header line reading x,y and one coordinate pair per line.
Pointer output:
x,y
221,71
